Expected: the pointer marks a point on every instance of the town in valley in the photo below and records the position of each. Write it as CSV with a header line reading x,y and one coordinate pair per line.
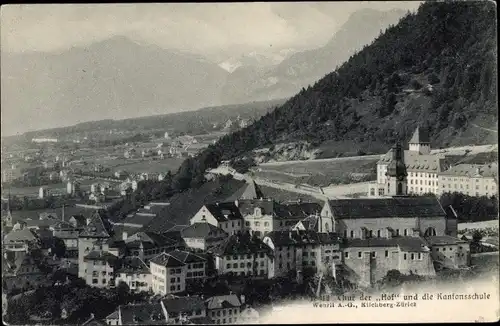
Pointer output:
x,y
224,214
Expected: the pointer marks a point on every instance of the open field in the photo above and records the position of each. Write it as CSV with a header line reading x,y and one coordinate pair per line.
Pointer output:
x,y
321,172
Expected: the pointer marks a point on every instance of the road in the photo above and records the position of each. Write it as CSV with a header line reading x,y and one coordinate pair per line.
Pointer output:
x,y
492,130
336,159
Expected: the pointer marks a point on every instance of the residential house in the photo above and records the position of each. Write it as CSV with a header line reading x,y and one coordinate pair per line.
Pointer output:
x,y
135,273
69,234
202,235
242,254
226,216
297,250
224,309
99,268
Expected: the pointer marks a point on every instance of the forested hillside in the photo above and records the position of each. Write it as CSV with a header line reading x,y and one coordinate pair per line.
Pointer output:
x,y
435,68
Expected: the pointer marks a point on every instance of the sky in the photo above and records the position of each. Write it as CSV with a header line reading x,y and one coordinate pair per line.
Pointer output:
x,y
209,28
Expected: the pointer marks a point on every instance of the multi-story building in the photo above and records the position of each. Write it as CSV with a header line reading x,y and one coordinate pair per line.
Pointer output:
x,y
470,179
203,235
135,273
68,233
93,250
168,274
224,309
98,268
243,254
369,259
296,250
265,215
449,252
226,216
196,266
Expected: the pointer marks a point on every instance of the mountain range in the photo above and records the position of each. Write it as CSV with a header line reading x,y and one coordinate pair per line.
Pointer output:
x,y
119,78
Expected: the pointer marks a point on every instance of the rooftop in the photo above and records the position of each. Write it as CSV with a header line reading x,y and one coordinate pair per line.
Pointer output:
x,y
396,207
98,227
142,314
223,302
202,230
408,244
164,259
293,238
443,240
241,243
473,170
224,211
186,256
178,305
420,136
133,265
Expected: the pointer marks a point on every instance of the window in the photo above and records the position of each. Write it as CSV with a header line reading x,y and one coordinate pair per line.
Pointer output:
x,y
359,254
228,266
405,232
346,254
373,254
242,265
419,256
412,256
266,223
305,254
397,232
404,256
378,233
247,223
345,233
370,234
352,234
172,280
94,281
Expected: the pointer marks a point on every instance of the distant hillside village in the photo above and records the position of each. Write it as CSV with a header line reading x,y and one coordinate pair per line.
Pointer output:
x,y
247,235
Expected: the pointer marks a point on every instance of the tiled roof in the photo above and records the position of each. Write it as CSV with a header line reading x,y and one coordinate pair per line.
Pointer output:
x,y
20,235
81,221
223,302
297,210
45,223
101,255
98,227
416,162
247,207
420,136
183,304
252,191
409,244
166,260
142,314
224,211
133,265
386,207
292,238
186,256
473,170
156,239
201,230
177,228
443,240
241,244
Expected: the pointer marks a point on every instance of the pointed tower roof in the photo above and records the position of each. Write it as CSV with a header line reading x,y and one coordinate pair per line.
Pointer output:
x,y
420,136
97,227
252,191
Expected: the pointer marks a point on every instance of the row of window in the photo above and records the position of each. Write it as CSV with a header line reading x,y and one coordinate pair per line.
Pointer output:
x,y
248,256
196,265
256,223
379,234
424,182
172,280
373,254
223,312
175,288
450,249
242,265
195,274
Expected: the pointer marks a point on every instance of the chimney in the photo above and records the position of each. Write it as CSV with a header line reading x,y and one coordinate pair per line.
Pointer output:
x,y
88,221
290,235
388,233
124,235
236,203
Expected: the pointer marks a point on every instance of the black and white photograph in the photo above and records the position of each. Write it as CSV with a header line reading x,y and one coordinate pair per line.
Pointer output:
x,y
249,163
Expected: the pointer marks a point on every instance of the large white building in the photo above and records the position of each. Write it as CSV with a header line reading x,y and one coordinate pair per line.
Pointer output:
x,y
433,172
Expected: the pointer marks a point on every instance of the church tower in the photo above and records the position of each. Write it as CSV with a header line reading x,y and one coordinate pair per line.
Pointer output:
x,y
420,142
396,184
